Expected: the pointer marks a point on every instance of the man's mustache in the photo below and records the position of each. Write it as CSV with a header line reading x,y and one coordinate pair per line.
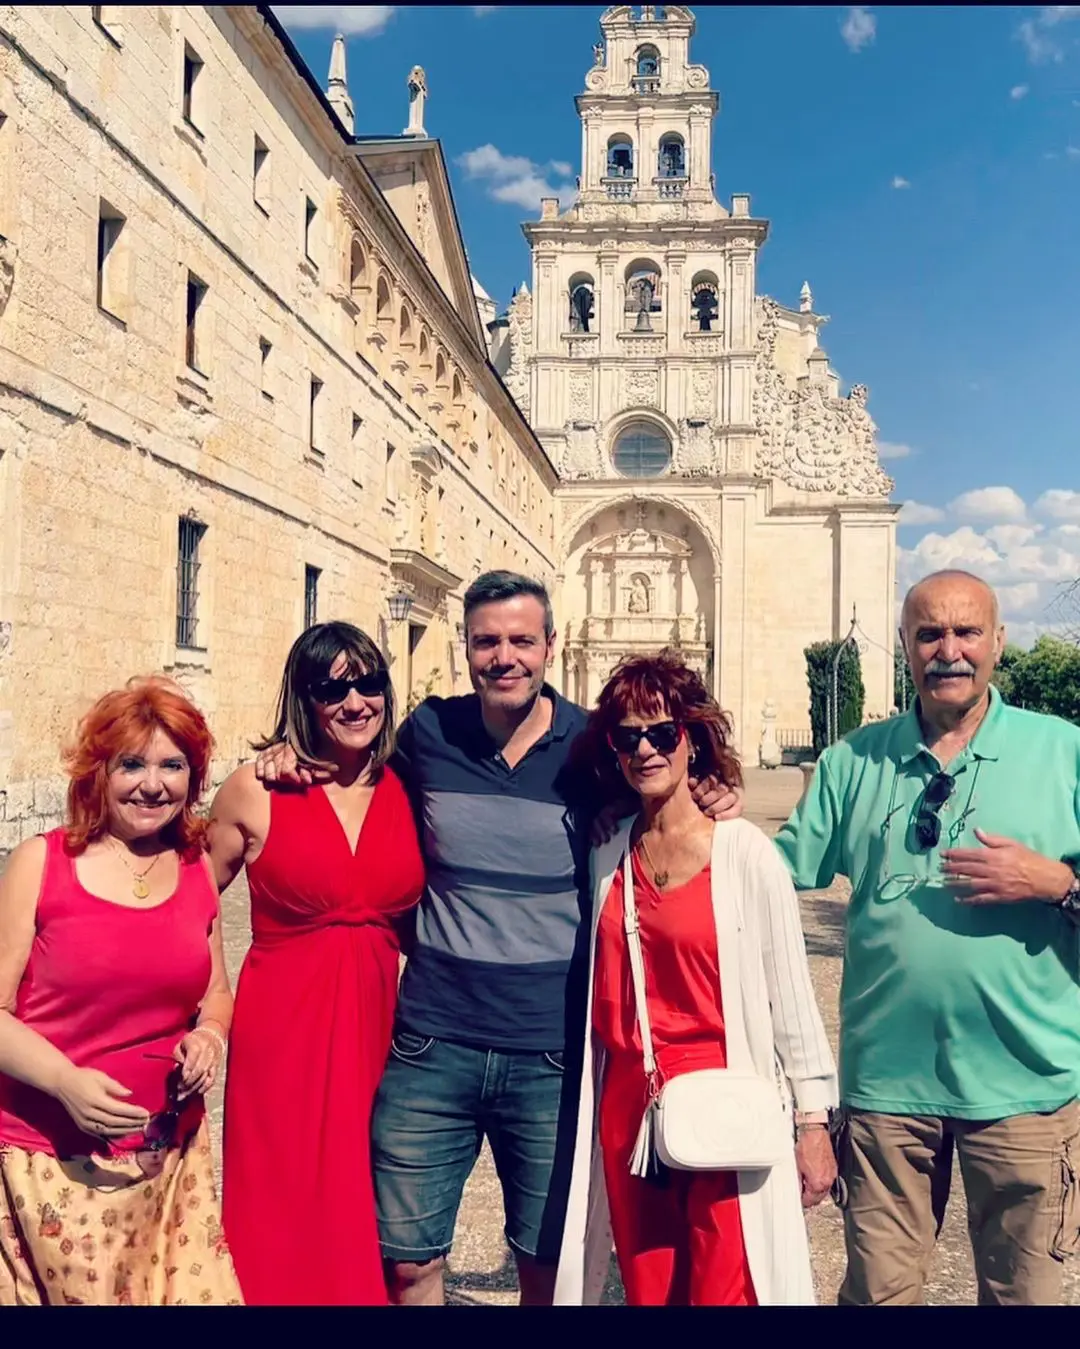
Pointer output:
x,y
941,667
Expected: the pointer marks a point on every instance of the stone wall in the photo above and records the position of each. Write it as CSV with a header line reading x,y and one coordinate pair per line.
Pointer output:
x,y
111,429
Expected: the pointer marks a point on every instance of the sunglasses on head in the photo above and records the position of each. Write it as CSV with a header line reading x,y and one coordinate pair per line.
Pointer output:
x,y
371,685
663,737
927,820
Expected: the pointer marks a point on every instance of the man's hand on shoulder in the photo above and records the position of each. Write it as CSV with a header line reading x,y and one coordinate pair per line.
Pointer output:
x,y
278,766
716,799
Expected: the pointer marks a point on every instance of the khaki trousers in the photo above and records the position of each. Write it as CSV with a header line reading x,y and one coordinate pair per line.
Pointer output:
x,y
1023,1199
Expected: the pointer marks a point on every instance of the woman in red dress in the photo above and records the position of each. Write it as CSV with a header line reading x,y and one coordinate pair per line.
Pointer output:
x,y
331,871
726,986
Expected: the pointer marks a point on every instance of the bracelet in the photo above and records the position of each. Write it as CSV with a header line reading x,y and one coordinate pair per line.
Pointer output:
x,y
209,1030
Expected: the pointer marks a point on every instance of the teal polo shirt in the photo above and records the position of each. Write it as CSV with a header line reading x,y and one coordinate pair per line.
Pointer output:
x,y
970,1012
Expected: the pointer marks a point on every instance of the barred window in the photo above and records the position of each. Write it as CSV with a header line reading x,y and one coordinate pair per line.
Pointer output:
x,y
187,581
311,596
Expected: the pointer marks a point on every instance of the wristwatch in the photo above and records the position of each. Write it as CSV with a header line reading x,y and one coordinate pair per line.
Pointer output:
x,y
1069,902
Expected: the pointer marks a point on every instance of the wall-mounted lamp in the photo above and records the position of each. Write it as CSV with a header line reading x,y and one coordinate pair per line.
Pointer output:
x,y
400,603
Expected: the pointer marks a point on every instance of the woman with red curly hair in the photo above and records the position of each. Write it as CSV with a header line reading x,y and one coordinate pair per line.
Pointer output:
x,y
114,1010
698,972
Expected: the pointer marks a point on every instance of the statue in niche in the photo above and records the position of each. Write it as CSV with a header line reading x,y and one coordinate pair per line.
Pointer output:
x,y
639,596
581,309
706,308
598,53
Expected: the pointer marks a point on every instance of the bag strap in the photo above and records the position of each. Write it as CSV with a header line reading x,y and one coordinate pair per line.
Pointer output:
x,y
637,962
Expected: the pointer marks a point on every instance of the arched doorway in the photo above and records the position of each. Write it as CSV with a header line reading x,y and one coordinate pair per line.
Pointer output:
x,y
639,576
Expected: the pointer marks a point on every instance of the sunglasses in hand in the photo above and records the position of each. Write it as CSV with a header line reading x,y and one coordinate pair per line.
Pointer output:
x,y
663,737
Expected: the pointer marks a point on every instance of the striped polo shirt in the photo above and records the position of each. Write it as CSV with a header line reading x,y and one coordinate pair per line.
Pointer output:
x,y
506,852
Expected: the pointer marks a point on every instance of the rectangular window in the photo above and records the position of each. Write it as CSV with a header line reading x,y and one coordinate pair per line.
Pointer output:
x,y
311,596
110,279
315,389
310,212
265,350
196,294
187,582
389,473
357,451
192,90
260,177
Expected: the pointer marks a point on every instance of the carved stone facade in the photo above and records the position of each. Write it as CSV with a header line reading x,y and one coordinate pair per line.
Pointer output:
x,y
692,395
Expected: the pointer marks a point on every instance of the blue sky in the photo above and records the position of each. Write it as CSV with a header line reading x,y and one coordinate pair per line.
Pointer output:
x,y
920,168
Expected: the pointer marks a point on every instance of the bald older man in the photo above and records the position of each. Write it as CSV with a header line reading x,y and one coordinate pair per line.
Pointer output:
x,y
958,825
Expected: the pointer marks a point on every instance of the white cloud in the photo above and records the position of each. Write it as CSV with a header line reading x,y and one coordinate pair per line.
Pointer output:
x,y
481,10
352,20
900,182
1019,91
1026,563
560,166
891,449
859,28
1011,536
915,513
1059,503
1073,151
1037,33
995,504
515,179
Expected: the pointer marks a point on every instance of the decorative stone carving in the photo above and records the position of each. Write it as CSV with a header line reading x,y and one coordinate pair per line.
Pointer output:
x,y
697,77
423,217
8,254
596,79
581,395
641,388
809,439
769,754
694,454
582,458
519,315
703,391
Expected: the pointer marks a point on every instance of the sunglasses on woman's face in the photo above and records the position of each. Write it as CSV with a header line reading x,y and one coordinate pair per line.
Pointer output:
x,y
329,691
663,737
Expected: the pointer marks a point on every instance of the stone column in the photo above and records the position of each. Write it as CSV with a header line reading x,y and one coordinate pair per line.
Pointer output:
x,y
675,301
609,312
717,642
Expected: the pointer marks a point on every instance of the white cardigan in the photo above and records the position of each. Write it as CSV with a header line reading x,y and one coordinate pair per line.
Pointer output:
x,y
770,1018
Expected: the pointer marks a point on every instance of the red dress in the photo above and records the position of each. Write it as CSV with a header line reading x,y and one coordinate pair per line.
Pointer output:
x,y
311,1034
680,1244
115,988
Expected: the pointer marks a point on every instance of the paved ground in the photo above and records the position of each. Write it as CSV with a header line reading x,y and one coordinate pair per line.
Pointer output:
x,y
481,1267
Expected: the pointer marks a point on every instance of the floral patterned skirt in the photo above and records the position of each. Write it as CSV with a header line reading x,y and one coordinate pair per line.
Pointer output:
x,y
134,1231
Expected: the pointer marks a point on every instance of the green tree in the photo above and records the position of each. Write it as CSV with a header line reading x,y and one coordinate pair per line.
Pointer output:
x,y
1044,679
851,695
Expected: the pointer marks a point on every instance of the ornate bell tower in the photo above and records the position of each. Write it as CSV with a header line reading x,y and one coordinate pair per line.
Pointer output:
x,y
643,290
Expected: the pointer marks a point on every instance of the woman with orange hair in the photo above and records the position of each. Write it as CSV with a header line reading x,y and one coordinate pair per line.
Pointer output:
x,y
114,1012
707,1078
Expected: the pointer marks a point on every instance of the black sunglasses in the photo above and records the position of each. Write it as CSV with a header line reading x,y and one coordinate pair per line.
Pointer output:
x,y
160,1132
327,691
663,737
927,820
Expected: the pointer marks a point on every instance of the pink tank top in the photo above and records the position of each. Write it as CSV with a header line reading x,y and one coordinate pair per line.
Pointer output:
x,y
113,988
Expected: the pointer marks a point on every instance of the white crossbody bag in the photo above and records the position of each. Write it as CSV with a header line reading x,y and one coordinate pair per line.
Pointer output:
x,y
714,1119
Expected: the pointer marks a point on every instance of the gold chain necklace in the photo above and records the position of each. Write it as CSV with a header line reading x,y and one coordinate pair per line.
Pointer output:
x,y
139,887
660,878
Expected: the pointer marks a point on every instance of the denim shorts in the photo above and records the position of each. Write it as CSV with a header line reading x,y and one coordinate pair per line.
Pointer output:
x,y
437,1102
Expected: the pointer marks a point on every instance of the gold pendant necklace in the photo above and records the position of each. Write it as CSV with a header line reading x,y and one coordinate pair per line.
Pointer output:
x,y
139,887
660,878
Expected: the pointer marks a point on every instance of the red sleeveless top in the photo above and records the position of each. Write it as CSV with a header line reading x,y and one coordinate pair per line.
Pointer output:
x,y
113,988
